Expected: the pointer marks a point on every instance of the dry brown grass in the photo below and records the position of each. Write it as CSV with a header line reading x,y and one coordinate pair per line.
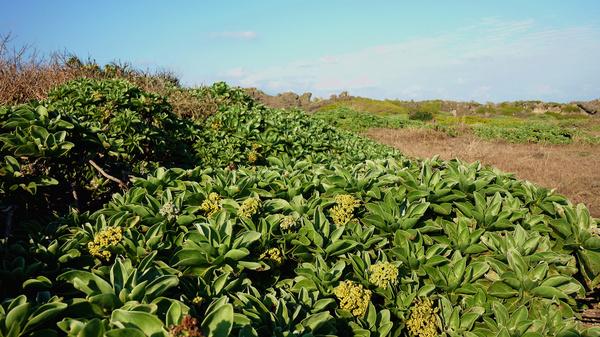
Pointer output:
x,y
24,75
185,104
27,75
573,170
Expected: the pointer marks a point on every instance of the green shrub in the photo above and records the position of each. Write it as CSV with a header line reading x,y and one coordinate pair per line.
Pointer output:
x,y
237,133
527,133
487,109
431,107
357,121
421,116
510,109
372,106
570,108
65,150
461,235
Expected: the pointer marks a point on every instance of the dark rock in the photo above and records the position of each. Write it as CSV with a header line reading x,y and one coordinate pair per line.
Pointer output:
x,y
590,107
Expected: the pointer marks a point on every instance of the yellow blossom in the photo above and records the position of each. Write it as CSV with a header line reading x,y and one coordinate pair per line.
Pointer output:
x,y
249,207
353,297
423,320
343,211
383,274
274,255
216,125
212,204
197,300
97,96
287,223
103,240
252,157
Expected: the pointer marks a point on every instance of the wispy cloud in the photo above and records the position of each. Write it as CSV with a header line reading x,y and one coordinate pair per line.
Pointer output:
x,y
237,72
489,60
240,35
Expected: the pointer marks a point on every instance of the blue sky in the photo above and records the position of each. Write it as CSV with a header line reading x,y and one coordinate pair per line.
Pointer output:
x,y
463,50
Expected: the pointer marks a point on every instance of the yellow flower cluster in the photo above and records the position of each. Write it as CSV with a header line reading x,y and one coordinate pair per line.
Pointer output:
x,y
249,207
287,223
197,300
343,211
97,96
254,154
383,274
169,211
106,238
252,157
212,204
274,255
353,297
423,320
216,125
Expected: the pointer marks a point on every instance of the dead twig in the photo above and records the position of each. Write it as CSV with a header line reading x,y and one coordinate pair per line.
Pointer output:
x,y
106,175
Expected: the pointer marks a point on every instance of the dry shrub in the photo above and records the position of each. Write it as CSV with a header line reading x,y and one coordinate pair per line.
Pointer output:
x,y
187,104
27,75
423,134
24,75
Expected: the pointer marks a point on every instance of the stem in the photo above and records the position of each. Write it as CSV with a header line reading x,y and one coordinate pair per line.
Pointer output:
x,y
106,175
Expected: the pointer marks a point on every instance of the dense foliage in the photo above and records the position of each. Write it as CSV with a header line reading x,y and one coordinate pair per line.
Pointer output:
x,y
268,223
112,124
353,120
90,134
248,136
437,107
534,133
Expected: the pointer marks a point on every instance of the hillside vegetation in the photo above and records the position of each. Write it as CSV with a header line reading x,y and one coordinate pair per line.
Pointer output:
x,y
547,128
122,216
515,122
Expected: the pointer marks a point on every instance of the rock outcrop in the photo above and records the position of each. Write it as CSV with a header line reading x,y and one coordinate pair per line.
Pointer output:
x,y
284,100
590,107
288,100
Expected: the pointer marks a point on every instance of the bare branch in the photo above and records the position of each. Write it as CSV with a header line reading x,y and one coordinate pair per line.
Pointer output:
x,y
106,175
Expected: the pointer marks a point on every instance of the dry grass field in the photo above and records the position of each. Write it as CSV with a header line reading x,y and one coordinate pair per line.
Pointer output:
x,y
573,170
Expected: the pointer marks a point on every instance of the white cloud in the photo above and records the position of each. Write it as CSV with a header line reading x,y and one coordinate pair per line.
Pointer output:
x,y
241,35
328,59
489,60
237,72
335,83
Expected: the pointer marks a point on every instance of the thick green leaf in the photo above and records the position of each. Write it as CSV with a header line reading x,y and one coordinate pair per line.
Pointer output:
x,y
219,321
148,323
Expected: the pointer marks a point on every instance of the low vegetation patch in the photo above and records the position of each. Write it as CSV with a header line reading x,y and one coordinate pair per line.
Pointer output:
x,y
546,129
353,120
527,133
